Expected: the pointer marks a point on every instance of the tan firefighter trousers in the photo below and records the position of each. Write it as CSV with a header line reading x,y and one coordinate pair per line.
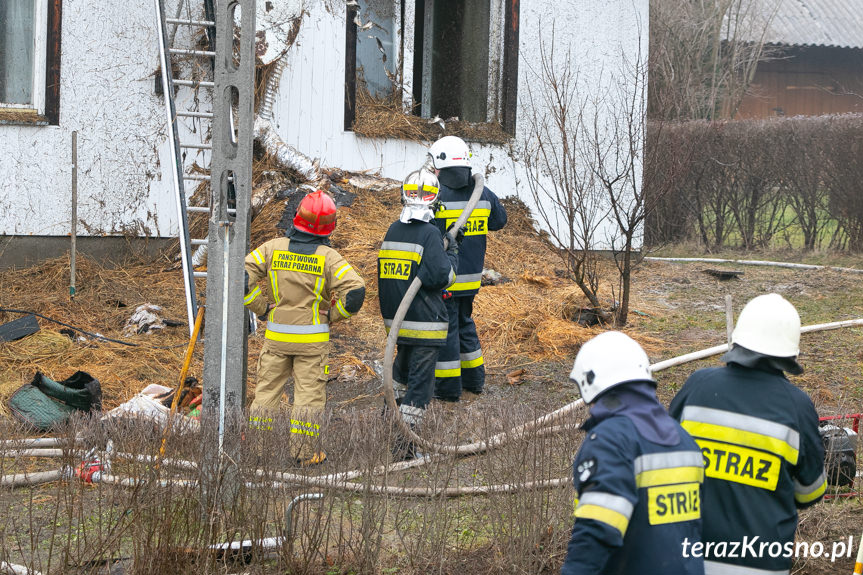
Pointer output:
x,y
310,396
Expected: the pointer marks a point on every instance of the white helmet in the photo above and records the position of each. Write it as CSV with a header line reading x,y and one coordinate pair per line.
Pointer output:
x,y
420,189
606,361
450,151
769,325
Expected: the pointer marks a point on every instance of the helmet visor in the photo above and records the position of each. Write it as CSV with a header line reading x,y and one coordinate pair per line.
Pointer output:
x,y
424,193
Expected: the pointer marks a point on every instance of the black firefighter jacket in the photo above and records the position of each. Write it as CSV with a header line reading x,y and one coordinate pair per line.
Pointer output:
x,y
489,215
763,458
411,250
638,503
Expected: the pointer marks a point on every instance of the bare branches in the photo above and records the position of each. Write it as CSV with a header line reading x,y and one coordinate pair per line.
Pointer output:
x,y
703,55
752,184
559,177
583,154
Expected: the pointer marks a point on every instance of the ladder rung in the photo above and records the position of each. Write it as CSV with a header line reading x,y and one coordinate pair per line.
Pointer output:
x,y
194,83
196,242
202,53
189,22
202,177
207,115
204,209
197,146
200,274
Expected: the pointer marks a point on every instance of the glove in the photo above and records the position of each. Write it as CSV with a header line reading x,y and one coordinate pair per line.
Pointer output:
x,y
455,236
270,307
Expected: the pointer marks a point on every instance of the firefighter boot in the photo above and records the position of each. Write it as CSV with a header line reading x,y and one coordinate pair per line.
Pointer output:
x,y
305,436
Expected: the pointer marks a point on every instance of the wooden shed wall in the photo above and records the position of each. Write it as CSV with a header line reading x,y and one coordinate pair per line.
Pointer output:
x,y
807,81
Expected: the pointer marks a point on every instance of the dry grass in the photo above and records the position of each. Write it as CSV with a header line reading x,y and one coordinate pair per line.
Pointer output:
x,y
387,118
520,321
105,300
523,318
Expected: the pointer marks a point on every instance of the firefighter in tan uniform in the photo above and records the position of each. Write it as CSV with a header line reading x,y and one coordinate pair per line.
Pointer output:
x,y
310,287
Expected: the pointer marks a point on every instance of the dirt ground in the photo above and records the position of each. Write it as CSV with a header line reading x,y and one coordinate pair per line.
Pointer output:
x,y
676,309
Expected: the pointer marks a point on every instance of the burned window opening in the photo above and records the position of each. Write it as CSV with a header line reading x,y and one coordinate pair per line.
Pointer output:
x,y
453,63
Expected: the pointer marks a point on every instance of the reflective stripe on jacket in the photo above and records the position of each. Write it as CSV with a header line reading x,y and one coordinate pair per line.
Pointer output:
x,y
763,458
636,503
489,215
302,285
414,250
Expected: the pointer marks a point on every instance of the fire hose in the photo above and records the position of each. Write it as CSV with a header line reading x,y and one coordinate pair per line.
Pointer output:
x,y
389,354
343,480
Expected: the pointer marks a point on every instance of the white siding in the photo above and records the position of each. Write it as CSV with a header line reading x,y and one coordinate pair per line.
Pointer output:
x,y
109,52
309,111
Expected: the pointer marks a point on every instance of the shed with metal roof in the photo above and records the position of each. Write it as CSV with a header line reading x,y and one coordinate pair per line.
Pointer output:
x,y
816,64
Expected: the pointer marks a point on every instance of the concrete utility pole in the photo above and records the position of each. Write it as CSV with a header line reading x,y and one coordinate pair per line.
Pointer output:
x,y
228,243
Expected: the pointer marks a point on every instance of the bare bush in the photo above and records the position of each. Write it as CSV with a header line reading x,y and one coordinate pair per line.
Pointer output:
x,y
748,184
703,56
583,156
559,177
158,518
843,176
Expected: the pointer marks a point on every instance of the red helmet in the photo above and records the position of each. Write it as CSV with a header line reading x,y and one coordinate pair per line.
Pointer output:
x,y
316,214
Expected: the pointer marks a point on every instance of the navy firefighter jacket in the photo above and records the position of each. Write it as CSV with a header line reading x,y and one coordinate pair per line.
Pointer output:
x,y
638,503
489,215
411,250
763,459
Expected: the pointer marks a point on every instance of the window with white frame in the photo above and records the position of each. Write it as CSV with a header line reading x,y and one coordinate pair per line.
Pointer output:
x,y
29,57
451,59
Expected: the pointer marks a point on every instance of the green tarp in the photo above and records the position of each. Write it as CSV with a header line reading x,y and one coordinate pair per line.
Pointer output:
x,y
44,403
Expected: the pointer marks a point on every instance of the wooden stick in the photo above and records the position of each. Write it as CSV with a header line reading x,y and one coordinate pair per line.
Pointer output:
x,y
187,360
729,318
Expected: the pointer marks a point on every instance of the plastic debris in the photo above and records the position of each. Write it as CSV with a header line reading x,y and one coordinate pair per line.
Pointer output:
x,y
44,403
492,278
145,319
19,328
149,405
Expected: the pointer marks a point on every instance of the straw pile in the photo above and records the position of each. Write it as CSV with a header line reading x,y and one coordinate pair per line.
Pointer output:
x,y
386,118
523,318
106,298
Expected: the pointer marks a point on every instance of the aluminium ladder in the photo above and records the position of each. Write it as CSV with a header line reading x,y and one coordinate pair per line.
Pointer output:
x,y
232,63
185,21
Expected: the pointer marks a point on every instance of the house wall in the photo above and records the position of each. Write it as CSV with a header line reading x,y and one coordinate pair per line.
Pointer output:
x,y
807,82
109,55
603,37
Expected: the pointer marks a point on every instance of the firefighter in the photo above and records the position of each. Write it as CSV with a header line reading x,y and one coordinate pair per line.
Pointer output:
x,y
413,247
637,474
310,287
460,365
763,457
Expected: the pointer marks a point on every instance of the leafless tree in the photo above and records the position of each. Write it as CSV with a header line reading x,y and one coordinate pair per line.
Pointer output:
x,y
584,153
620,145
703,55
559,177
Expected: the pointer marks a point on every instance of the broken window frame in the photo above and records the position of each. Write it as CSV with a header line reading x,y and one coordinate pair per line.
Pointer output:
x,y
44,104
503,61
